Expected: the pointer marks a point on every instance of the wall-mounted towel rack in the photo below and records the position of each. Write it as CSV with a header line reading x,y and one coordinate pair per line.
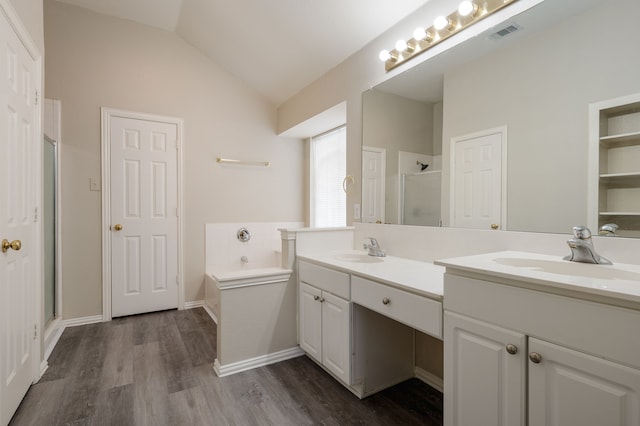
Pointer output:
x,y
242,162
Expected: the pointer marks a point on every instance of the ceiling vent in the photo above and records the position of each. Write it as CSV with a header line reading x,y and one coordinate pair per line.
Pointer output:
x,y
505,31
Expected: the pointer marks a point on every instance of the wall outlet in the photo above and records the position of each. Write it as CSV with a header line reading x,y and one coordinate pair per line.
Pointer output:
x,y
94,184
356,211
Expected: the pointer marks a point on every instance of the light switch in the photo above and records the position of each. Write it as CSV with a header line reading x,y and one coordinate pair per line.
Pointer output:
x,y
94,184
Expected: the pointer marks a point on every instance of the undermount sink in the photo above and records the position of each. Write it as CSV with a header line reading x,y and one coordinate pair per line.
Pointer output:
x,y
358,258
565,267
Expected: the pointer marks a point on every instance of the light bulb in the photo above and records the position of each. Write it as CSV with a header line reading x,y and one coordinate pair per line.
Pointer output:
x,y
401,45
384,55
466,8
419,34
440,23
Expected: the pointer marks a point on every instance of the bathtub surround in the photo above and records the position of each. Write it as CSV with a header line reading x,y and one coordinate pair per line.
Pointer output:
x,y
250,294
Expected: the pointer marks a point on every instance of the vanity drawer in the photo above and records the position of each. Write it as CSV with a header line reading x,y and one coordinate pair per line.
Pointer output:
x,y
419,312
325,279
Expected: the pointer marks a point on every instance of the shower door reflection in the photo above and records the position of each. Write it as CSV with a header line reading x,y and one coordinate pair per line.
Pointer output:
x,y
420,202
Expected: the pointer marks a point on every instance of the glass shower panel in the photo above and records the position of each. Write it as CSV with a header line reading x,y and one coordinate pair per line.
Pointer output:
x,y
421,198
49,218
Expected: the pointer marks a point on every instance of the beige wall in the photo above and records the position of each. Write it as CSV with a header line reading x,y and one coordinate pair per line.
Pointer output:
x,y
30,13
541,89
94,61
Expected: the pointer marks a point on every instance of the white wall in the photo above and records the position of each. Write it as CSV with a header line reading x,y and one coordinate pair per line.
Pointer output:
x,y
94,61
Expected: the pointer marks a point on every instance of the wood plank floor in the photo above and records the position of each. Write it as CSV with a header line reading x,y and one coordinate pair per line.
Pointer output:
x,y
156,369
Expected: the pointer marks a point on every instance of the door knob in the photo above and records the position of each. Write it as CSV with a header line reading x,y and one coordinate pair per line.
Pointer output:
x,y
117,227
13,245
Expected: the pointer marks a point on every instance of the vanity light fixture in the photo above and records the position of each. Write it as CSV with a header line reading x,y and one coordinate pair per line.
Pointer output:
x,y
468,13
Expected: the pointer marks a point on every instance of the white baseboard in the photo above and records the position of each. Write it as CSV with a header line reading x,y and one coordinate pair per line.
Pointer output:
x,y
430,379
194,304
260,361
51,336
82,321
210,312
44,366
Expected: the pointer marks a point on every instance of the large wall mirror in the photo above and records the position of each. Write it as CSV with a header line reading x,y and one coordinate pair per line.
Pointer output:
x,y
528,82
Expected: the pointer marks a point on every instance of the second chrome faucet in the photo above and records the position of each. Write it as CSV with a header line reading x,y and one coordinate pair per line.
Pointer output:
x,y
374,248
582,249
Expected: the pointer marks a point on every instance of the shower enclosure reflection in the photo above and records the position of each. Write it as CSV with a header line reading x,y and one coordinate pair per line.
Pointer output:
x,y
50,159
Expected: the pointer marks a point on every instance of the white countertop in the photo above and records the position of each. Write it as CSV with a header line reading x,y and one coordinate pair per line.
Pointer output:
x,y
417,277
617,281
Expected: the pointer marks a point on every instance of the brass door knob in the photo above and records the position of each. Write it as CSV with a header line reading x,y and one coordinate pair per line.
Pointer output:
x,y
495,226
13,245
117,227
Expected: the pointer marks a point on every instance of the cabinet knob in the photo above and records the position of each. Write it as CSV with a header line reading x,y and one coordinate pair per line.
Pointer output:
x,y
535,357
316,298
322,300
386,301
512,349
495,226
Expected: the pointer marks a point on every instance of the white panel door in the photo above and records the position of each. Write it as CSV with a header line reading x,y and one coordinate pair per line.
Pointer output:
x,y
477,182
144,225
485,383
568,387
373,184
311,321
336,341
17,225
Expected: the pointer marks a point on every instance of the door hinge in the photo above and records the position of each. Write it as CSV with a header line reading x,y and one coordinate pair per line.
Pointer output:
x,y
37,97
35,331
35,214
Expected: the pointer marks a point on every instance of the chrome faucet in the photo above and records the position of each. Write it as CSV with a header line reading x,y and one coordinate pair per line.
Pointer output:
x,y
582,249
608,230
374,248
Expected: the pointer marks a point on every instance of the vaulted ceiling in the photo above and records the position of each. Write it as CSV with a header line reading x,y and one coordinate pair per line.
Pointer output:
x,y
276,46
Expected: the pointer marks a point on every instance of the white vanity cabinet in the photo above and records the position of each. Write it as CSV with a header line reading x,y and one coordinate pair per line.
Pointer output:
x,y
569,387
484,375
325,318
516,356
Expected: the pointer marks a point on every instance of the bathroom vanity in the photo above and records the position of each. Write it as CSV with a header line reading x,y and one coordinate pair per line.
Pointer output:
x,y
357,315
533,339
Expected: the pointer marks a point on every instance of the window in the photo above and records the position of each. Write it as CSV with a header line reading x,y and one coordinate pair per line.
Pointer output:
x,y
328,169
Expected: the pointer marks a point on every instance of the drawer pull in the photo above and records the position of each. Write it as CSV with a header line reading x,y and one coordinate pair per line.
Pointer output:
x,y
386,301
535,357
512,349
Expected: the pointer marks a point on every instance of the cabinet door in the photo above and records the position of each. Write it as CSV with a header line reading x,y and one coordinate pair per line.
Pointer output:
x,y
336,341
484,384
568,387
310,322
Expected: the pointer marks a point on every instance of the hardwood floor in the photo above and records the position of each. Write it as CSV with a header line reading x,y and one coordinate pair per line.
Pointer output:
x,y
156,369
